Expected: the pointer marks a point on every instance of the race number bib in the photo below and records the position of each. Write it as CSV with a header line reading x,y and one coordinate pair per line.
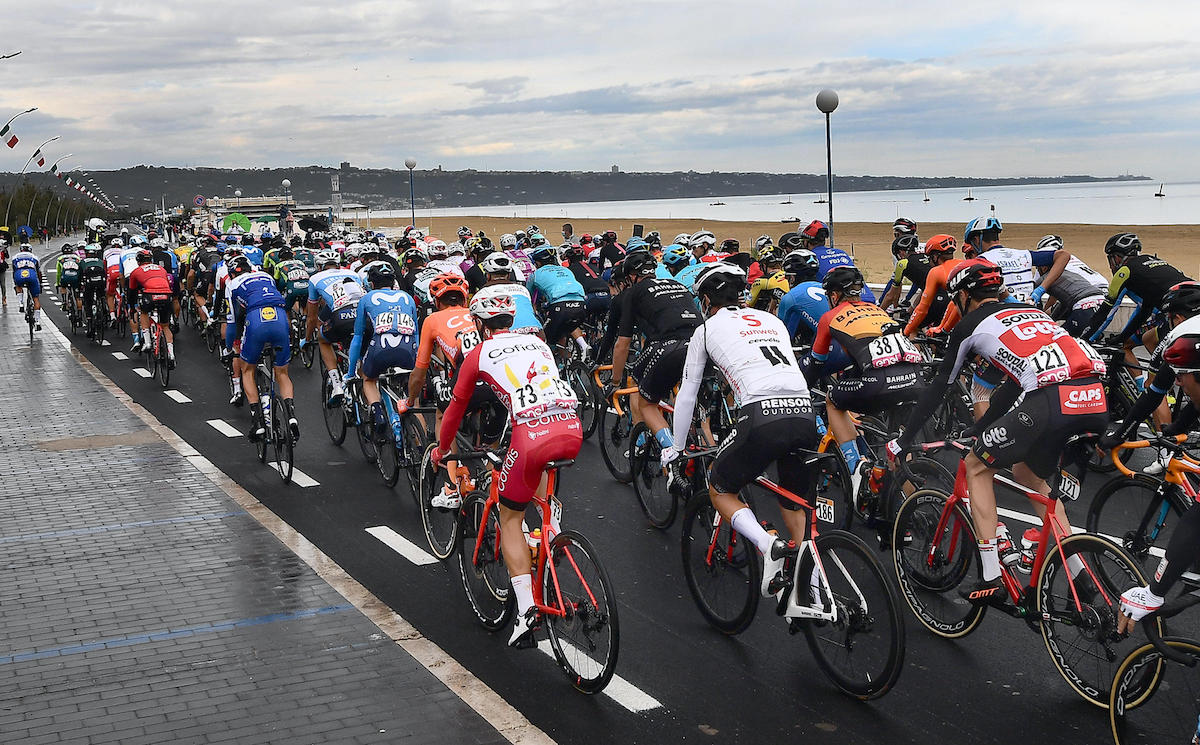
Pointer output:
x,y
297,275
891,349
467,340
342,295
544,392
1050,365
390,322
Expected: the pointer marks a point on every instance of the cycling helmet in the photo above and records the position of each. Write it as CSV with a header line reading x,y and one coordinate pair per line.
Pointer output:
x,y
447,282
904,226
802,263
683,239
676,254
438,249
981,225
1183,354
654,239
144,256
610,236
464,232
1123,244
844,280
520,235
791,241
770,257
702,238
297,240
92,251
1183,298
327,257
353,251
158,243
975,274
636,243
381,275
231,251
456,249
496,263
717,277
905,242
573,252
543,252
537,239
98,225
239,265
493,302
941,244
477,245
762,242
138,240
415,255
508,240
68,248
152,233
731,245
585,239
115,243
532,230
816,231
1049,243
638,263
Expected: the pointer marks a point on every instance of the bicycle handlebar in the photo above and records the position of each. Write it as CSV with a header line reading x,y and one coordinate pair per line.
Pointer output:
x,y
1173,608
1174,444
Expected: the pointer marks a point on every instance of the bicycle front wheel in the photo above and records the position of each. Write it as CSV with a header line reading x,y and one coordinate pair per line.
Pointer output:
x,y
589,399
721,567
365,430
415,437
1083,641
1135,514
650,480
1154,700
481,564
441,524
862,652
585,637
932,559
281,439
614,441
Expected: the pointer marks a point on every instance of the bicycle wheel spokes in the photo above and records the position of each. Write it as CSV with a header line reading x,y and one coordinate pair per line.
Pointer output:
x,y
649,479
441,525
862,652
363,428
335,416
388,458
614,441
722,568
484,575
585,637
1154,700
932,557
1082,641
414,449
281,438
1133,513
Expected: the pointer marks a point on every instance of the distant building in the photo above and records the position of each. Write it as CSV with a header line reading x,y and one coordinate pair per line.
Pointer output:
x,y
345,166
615,169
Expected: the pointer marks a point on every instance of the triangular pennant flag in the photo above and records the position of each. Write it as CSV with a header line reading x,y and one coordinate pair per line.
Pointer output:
x,y
54,169
41,162
12,141
69,181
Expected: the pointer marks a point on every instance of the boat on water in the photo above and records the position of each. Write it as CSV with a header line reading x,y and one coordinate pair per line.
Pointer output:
x,y
968,197
716,204
1160,192
789,200
822,200
926,199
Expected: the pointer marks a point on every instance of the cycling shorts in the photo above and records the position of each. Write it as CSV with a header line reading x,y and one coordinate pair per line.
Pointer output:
x,y
264,326
203,285
338,327
1035,431
562,318
387,350
113,280
597,303
877,389
69,278
1077,320
26,277
766,432
659,368
130,297
160,303
534,444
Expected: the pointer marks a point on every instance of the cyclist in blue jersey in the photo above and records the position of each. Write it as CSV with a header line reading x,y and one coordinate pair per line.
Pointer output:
x,y
26,271
257,315
597,295
675,258
555,290
499,267
387,328
813,238
803,305
252,252
333,295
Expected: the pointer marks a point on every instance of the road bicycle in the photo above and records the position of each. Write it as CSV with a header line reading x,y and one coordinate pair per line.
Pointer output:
x,y
837,592
157,358
278,436
934,551
73,315
95,317
404,439
575,372
304,352
615,426
572,591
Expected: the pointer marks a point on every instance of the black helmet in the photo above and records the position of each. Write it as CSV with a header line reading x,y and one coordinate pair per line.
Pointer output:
x,y
144,256
381,275
905,242
1123,244
802,263
638,262
791,241
1183,298
238,265
904,226
844,280
975,275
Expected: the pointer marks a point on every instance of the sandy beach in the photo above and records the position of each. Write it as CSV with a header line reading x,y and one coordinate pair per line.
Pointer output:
x,y
870,242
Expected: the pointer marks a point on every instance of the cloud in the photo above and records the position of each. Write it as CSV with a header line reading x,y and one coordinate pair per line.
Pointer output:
x,y
499,87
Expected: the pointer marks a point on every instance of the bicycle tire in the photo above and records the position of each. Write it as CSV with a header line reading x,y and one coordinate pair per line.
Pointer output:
x,y
163,362
1169,716
719,563
307,353
387,458
930,572
614,442
210,338
658,504
335,416
364,429
833,483
1081,644
485,580
263,394
102,323
863,651
1135,519
441,525
415,439
281,438
574,575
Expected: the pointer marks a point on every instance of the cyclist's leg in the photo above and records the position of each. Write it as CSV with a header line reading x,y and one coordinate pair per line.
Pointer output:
x,y
658,375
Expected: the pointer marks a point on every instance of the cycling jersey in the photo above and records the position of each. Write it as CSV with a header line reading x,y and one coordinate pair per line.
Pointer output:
x,y
292,279
1144,279
446,266
522,266
66,270
868,335
420,279
254,254
27,271
935,285
451,330
829,257
151,279
801,310
554,284
1017,266
255,304
768,288
336,288
128,261
91,270
526,321
387,321
687,275
915,268
1079,288
166,259
658,308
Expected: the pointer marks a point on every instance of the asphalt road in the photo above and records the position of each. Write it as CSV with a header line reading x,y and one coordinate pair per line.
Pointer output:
x,y
995,686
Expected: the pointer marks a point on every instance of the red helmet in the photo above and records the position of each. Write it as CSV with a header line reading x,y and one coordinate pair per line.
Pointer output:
x,y
941,244
1183,354
816,230
975,274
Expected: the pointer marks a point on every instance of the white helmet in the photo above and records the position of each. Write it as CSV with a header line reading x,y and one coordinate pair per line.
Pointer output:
x,y
327,257
508,240
702,238
115,243
456,249
437,249
718,274
353,251
683,239
493,302
495,263
158,243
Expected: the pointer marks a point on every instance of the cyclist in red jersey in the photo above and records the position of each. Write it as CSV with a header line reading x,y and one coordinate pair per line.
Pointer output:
x,y
520,370
154,284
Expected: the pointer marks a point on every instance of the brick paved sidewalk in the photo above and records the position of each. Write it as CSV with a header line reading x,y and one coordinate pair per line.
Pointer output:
x,y
141,604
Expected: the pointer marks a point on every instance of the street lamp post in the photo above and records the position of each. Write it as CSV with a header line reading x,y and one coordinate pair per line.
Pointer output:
x,y
46,218
238,194
287,184
827,101
410,164
21,175
26,111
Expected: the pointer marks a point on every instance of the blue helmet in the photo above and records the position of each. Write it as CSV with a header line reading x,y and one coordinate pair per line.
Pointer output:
x,y
635,242
544,252
675,254
981,225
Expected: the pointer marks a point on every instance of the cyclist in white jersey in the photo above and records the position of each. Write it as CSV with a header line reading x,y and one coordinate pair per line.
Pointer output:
x,y
753,350
1076,294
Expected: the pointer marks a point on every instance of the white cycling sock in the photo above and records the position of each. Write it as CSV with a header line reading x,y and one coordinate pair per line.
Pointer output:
x,y
583,345
747,524
990,559
522,585
171,349
237,385
37,316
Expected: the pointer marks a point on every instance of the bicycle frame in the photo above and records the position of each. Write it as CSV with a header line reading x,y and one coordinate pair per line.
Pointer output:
x,y
1178,467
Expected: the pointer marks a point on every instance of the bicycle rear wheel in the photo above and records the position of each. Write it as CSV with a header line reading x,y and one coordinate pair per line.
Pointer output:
x,y
484,575
721,567
1083,643
415,436
650,480
210,338
335,416
387,458
931,564
586,638
161,360
363,428
862,652
1134,513
1155,700
441,524
589,404
614,441
281,438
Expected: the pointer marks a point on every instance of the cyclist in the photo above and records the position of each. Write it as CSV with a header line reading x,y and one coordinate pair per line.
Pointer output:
x,y
499,269
544,428
27,273
559,295
152,284
387,327
675,258
609,252
1144,279
665,313
163,256
1018,265
417,276
702,243
333,295
597,296
256,316
200,277
4,267
66,275
883,373
904,226
774,417
934,300
479,248
813,238
1077,293
1055,378
769,289
129,256
291,277
911,265
805,303
92,278
112,268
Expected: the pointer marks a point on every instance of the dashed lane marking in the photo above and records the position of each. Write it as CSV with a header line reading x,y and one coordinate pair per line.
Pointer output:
x,y
177,397
143,372
299,478
224,427
106,343
401,545
618,689
120,355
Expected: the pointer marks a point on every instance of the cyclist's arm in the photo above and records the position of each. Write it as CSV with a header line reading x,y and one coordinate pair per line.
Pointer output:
x,y
360,330
1149,399
1056,260
464,387
957,351
689,387
1181,552
922,309
416,379
314,303
1116,290
821,347
1001,400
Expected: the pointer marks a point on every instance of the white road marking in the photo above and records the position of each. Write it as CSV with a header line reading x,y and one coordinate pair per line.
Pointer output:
x,y
142,372
402,545
106,343
177,397
224,427
618,689
120,355
299,478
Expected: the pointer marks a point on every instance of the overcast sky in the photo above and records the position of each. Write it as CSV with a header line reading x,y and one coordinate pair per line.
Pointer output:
x,y
934,88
